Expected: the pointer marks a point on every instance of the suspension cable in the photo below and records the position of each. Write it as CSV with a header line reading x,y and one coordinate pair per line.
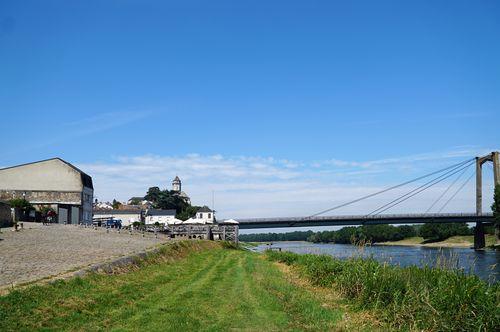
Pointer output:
x,y
391,188
431,182
447,189
456,192
416,193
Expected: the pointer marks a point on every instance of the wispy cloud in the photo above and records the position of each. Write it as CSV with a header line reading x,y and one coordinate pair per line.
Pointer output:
x,y
96,124
83,127
247,186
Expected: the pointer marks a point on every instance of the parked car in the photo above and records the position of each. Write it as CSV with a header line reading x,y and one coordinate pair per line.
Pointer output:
x,y
114,223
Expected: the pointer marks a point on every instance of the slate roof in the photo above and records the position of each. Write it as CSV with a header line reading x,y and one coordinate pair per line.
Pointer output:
x,y
155,212
204,209
100,212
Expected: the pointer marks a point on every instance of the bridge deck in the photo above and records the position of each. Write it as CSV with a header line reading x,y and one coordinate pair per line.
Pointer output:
x,y
363,220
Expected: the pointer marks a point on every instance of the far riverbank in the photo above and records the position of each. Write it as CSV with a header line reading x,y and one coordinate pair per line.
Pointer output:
x,y
452,242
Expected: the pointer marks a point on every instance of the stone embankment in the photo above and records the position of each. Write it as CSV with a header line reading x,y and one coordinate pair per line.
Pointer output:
x,y
39,251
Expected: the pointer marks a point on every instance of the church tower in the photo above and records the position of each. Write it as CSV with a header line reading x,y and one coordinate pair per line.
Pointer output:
x,y
176,184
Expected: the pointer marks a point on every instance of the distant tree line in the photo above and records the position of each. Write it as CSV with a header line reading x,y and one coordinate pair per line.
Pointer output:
x,y
270,237
371,233
431,232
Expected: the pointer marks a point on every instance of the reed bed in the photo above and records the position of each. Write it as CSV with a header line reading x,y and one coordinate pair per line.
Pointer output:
x,y
410,298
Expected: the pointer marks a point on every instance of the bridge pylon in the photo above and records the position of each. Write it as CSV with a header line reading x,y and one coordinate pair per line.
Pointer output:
x,y
479,241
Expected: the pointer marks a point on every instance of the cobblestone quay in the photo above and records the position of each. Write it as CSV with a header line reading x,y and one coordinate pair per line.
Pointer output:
x,y
39,251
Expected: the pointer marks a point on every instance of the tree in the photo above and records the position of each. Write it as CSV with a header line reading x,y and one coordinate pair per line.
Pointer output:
x,y
188,212
171,200
495,207
433,232
369,233
153,194
22,205
135,201
116,204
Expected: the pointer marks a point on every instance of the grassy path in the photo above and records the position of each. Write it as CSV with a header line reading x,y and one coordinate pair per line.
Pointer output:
x,y
216,289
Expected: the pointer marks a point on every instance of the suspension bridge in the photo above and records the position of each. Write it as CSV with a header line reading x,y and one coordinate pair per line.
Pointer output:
x,y
377,216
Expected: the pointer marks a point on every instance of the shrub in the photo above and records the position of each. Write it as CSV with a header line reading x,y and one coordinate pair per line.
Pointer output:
x,y
440,232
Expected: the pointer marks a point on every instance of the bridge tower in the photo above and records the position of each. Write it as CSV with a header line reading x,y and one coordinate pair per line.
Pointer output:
x,y
479,241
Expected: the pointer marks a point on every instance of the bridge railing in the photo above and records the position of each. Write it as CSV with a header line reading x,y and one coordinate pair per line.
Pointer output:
x,y
365,217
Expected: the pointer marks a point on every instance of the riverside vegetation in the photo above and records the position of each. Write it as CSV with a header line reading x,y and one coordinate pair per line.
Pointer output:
x,y
406,298
201,285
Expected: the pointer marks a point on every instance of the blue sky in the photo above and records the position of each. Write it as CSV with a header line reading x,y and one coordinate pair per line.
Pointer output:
x,y
264,102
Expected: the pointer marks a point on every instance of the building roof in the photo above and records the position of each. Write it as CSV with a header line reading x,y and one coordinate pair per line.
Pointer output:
x,y
129,207
86,179
136,198
204,209
99,212
156,212
176,179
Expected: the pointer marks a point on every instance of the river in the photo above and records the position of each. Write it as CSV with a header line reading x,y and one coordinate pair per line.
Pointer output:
x,y
482,263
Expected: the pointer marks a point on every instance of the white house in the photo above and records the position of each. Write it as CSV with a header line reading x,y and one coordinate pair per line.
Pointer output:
x,y
203,216
166,217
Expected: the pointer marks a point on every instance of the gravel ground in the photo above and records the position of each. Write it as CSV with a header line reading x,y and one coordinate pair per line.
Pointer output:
x,y
39,251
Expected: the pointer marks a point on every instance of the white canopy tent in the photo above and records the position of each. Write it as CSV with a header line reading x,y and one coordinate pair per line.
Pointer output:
x,y
174,221
194,221
230,221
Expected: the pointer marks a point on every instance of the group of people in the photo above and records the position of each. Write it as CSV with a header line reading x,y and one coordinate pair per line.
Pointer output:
x,y
49,218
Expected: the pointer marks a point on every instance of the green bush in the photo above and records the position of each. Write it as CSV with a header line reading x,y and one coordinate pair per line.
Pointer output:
x,y
369,233
407,298
440,232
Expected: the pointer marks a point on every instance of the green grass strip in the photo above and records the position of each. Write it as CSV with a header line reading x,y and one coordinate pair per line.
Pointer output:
x,y
191,286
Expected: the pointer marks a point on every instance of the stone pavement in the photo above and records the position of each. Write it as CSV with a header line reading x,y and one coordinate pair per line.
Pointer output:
x,y
40,251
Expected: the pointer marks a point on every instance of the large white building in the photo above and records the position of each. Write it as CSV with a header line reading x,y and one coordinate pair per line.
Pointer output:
x,y
165,217
52,183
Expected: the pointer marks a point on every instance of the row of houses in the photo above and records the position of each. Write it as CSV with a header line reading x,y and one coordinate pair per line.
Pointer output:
x,y
153,216
59,185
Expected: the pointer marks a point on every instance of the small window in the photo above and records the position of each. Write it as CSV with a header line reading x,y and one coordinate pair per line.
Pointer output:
x,y
209,215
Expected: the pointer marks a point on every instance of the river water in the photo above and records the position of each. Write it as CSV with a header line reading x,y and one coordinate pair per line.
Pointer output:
x,y
482,263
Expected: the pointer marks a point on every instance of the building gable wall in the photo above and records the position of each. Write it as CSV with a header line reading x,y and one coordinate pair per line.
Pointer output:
x,y
49,175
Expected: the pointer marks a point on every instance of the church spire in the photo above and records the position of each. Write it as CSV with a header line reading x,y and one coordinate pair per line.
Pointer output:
x,y
176,184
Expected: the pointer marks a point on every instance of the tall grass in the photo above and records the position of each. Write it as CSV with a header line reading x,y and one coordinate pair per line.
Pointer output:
x,y
406,297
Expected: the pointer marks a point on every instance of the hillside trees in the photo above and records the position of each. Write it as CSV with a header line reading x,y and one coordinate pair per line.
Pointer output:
x,y
171,200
